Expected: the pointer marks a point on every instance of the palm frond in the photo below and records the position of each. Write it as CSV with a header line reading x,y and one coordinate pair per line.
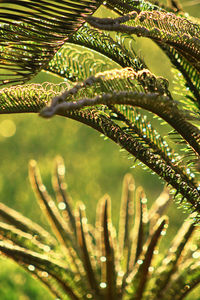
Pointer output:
x,y
32,31
166,28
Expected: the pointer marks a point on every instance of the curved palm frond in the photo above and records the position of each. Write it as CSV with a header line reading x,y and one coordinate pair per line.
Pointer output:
x,y
32,31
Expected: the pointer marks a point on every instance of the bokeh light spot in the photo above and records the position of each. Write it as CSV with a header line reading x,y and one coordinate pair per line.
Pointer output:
x,y
7,128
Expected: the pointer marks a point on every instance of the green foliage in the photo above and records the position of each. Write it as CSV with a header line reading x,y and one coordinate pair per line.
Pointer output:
x,y
86,262
105,84
133,86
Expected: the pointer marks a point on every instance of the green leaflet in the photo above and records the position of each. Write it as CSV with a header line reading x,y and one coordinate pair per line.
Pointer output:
x,y
25,225
190,73
76,63
188,273
28,98
125,6
22,239
172,258
166,28
53,267
32,31
90,51
115,49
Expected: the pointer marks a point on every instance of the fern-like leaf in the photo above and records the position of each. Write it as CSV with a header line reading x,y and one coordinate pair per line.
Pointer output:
x,y
32,31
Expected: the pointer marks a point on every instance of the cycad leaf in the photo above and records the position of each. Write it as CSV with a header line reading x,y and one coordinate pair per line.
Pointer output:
x,y
42,262
140,229
129,84
125,6
138,126
189,71
170,262
28,98
64,199
22,239
114,48
26,225
108,249
86,249
158,207
32,31
78,63
184,281
126,218
60,227
162,27
140,272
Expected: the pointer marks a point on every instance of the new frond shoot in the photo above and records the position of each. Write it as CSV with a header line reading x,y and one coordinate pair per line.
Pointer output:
x,y
107,263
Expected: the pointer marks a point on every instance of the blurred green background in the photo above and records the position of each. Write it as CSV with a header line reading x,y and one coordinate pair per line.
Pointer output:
x,y
94,167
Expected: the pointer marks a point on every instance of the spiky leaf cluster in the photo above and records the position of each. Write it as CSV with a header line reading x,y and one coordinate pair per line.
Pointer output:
x,y
81,261
112,102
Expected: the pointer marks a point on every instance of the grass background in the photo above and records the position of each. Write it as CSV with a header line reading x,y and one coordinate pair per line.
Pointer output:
x,y
94,167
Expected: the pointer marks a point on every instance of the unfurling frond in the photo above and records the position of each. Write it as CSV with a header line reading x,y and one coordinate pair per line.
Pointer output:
x,y
106,265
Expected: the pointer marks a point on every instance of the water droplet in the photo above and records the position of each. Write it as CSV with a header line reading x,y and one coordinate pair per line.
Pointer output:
x,y
163,232
42,188
45,274
144,200
31,268
186,287
196,254
103,285
61,205
151,269
102,258
47,248
51,203
140,261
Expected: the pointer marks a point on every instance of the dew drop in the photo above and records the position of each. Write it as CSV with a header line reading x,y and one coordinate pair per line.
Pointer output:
x,y
31,268
61,205
140,261
103,285
187,287
47,248
163,232
102,258
196,254
45,274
